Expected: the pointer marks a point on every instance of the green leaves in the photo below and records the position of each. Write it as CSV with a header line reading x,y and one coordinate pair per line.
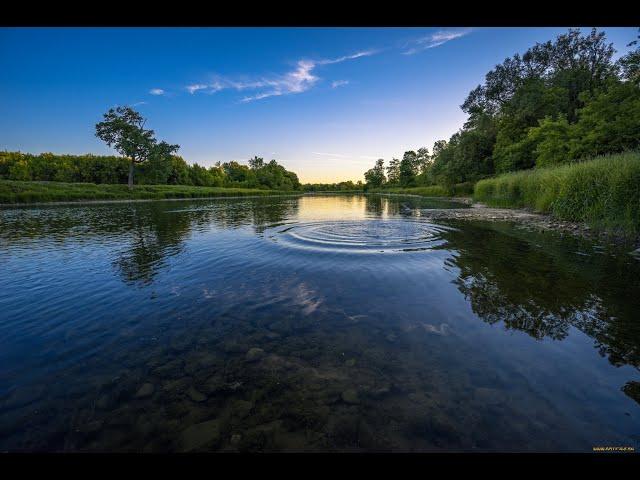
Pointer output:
x,y
123,129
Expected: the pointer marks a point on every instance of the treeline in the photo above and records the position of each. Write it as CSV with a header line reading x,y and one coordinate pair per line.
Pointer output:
x,y
557,103
347,186
172,170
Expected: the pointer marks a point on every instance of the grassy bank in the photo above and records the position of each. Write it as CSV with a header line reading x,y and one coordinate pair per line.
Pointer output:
x,y
16,192
458,190
603,192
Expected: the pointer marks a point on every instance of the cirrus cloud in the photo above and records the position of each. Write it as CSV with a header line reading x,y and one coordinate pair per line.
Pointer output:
x,y
434,40
298,80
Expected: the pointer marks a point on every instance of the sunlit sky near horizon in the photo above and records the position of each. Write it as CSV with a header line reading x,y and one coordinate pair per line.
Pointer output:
x,y
324,102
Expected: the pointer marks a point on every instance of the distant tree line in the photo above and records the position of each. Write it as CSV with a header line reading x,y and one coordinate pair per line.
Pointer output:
x,y
347,186
170,170
154,162
559,102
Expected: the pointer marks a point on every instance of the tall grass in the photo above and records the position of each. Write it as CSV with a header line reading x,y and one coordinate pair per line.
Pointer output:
x,y
29,192
604,192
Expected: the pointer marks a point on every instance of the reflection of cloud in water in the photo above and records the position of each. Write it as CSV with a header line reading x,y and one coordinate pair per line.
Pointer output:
x,y
307,299
209,293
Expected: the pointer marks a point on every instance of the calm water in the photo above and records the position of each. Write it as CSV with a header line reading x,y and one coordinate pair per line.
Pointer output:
x,y
316,323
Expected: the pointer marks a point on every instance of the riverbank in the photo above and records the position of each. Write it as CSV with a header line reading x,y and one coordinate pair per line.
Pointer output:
x,y
603,193
16,192
531,221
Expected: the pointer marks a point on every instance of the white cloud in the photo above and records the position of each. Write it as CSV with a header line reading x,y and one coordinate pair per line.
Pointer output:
x,y
298,80
138,103
195,87
363,53
339,83
434,40
157,91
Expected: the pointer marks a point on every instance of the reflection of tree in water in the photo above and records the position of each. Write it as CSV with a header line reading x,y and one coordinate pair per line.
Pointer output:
x,y
154,236
149,232
267,211
157,234
532,283
374,205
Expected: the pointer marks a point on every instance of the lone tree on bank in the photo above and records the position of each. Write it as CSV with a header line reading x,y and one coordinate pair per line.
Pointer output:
x,y
123,129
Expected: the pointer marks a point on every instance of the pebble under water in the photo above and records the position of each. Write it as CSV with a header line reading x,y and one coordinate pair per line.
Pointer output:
x,y
310,323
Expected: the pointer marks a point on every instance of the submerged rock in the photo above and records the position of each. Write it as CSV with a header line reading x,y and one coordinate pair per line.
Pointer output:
x,y
254,354
195,395
145,390
242,408
350,396
199,435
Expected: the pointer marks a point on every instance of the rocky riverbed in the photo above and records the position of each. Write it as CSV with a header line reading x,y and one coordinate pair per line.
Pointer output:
x,y
529,220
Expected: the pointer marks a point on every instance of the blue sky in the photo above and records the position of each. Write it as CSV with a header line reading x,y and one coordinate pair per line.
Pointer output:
x,y
324,102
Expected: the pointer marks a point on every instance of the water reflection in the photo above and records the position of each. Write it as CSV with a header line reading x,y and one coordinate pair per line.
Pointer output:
x,y
543,286
183,326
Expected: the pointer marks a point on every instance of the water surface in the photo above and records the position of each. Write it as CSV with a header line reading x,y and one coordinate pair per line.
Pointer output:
x,y
313,323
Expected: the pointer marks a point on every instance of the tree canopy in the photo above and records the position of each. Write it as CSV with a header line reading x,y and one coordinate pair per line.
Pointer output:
x,y
560,101
123,129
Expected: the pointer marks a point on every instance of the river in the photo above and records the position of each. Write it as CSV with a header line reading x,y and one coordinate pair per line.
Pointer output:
x,y
310,323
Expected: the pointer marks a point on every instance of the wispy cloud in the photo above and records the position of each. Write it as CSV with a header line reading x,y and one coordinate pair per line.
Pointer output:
x,y
195,87
339,83
157,91
298,80
363,53
434,40
138,104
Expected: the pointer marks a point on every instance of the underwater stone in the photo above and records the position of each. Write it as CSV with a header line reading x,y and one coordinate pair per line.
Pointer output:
x,y
254,355
145,390
198,435
241,408
195,395
350,396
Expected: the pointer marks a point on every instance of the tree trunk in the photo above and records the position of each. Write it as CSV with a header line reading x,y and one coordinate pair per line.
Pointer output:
x,y
130,183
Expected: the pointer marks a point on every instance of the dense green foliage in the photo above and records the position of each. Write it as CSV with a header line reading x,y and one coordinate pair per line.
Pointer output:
x,y
123,129
559,102
457,190
603,192
157,170
30,192
347,186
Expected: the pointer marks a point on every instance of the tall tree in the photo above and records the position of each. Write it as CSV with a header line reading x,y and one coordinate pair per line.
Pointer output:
x,y
630,63
393,171
375,176
256,162
423,158
408,168
123,129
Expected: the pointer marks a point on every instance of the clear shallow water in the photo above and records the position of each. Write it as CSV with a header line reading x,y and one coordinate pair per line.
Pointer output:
x,y
316,323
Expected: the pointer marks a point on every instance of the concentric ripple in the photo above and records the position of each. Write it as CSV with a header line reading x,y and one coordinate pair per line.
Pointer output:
x,y
364,236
